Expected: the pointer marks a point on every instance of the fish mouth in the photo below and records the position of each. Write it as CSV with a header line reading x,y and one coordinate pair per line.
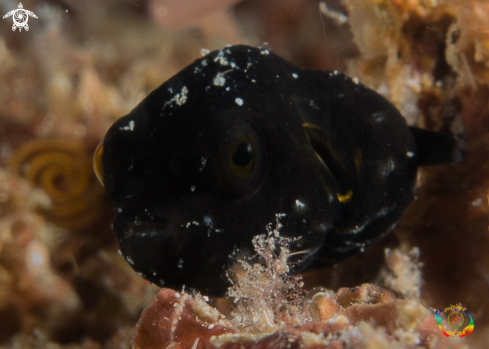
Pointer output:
x,y
145,245
127,225
148,229
156,252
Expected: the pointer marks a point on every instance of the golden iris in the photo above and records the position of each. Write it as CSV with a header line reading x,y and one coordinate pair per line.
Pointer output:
x,y
242,156
97,162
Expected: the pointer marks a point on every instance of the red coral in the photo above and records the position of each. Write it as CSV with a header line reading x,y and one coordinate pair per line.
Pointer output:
x,y
181,321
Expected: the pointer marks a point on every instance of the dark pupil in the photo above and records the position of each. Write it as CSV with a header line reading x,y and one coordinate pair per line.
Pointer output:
x,y
243,154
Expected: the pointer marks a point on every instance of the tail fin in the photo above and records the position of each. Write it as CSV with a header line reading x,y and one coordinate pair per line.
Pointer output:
x,y
436,148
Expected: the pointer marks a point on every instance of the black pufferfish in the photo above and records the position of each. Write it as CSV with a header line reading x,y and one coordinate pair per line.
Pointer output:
x,y
210,157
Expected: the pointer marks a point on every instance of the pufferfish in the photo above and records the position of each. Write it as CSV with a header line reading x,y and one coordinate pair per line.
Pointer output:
x,y
210,157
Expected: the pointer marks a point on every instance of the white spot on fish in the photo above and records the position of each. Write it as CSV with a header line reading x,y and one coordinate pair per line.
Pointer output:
x,y
313,104
388,167
204,51
192,188
203,161
180,263
219,80
409,154
264,52
335,72
295,75
207,221
239,101
355,80
223,60
179,98
130,127
383,212
300,205
190,223
129,260
358,228
378,117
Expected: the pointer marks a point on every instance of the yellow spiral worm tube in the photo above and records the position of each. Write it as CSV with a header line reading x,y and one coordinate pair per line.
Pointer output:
x,y
63,169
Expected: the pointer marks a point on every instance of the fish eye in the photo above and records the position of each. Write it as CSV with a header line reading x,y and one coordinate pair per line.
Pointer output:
x,y
242,156
97,162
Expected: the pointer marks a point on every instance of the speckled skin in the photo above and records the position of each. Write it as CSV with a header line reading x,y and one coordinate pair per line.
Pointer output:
x,y
320,137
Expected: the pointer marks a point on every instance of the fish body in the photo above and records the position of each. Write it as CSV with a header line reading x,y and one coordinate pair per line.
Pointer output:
x,y
210,157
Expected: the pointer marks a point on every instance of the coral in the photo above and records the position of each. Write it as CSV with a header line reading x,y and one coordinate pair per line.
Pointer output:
x,y
29,285
84,64
428,58
467,44
60,273
16,193
211,17
39,340
363,317
35,295
175,14
405,276
266,296
173,318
